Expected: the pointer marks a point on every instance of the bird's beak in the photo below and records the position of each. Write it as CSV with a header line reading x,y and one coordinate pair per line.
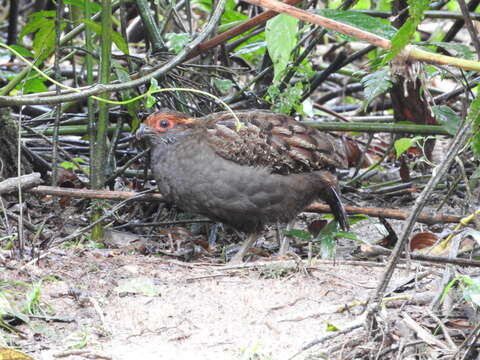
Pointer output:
x,y
139,134
143,131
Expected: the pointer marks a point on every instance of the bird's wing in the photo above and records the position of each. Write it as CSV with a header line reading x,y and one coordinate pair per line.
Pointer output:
x,y
275,141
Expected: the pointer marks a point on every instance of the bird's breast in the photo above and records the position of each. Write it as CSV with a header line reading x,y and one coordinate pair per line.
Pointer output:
x,y
200,181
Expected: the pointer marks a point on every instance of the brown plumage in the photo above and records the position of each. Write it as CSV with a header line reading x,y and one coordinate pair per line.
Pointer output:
x,y
267,171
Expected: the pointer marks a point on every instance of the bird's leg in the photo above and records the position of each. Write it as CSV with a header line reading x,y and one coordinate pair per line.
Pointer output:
x,y
247,245
285,239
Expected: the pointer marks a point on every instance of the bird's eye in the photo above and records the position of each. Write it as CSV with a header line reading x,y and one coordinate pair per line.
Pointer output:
x,y
164,123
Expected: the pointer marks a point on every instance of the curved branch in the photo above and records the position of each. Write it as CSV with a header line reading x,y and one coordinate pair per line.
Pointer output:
x,y
100,88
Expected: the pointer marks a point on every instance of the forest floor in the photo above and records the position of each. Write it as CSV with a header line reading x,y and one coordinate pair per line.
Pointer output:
x,y
115,304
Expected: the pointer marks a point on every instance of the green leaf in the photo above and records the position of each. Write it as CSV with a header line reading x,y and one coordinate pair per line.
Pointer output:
x,y
402,145
400,40
283,102
361,21
33,85
67,165
80,160
177,41
375,84
153,85
447,118
301,234
151,100
356,218
471,292
331,327
281,36
407,30
231,17
22,51
42,23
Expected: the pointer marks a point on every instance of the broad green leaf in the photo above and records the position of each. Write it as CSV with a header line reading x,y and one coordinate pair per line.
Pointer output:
x,y
301,234
281,36
33,85
447,117
401,39
360,21
22,51
231,16
67,165
407,30
375,84
42,23
402,145
177,41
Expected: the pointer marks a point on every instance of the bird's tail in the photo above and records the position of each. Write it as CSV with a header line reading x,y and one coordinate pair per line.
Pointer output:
x,y
333,199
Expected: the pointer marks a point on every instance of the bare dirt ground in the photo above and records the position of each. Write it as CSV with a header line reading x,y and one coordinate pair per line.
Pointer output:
x,y
117,304
200,311
106,304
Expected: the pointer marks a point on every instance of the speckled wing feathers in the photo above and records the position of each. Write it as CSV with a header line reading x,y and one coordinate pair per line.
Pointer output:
x,y
274,141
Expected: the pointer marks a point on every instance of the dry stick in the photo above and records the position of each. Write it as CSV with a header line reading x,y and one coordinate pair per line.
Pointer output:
x,y
99,220
410,51
237,30
325,338
469,342
438,172
315,207
378,250
25,181
470,27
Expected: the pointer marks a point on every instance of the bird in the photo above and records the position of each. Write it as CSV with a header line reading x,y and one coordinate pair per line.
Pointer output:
x,y
264,170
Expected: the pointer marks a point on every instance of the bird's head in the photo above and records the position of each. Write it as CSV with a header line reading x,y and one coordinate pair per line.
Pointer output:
x,y
164,126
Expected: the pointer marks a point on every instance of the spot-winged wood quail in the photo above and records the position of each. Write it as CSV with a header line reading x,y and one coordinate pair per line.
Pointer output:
x,y
267,171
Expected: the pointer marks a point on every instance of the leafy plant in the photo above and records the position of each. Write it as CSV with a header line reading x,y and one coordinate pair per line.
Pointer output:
x,y
281,36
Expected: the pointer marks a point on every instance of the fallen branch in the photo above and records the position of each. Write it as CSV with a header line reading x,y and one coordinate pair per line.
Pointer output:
x,y
315,207
24,181
374,250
